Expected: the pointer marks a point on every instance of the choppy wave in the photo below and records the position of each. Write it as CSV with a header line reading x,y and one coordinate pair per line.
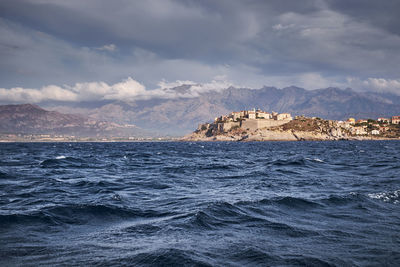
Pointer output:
x,y
315,159
62,161
79,214
200,204
289,162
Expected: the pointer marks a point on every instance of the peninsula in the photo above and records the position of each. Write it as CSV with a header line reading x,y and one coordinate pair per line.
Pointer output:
x,y
258,125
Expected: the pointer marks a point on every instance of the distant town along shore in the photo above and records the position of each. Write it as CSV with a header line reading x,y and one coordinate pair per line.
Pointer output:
x,y
258,125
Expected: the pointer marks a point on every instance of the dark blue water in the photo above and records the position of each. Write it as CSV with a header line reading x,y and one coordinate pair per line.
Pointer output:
x,y
200,204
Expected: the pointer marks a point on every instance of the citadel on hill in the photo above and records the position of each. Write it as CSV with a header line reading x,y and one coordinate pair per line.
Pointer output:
x,y
249,119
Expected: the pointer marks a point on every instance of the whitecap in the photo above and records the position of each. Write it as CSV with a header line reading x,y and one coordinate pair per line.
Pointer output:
x,y
116,197
392,197
315,159
61,157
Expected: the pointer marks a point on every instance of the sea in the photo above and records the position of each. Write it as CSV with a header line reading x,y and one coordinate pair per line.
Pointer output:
x,y
330,203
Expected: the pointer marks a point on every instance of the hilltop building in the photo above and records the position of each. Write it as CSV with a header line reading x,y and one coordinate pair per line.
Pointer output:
x,y
283,116
351,120
251,120
396,120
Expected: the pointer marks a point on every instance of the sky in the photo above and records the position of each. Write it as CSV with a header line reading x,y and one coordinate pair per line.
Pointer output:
x,y
98,49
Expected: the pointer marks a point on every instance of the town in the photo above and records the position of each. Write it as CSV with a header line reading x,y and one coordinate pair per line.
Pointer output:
x,y
379,126
251,121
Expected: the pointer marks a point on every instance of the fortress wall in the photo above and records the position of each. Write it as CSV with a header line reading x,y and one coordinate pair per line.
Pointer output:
x,y
258,124
252,125
271,123
228,125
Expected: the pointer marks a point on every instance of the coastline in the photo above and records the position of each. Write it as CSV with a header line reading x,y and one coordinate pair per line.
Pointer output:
x,y
227,139
246,129
209,139
110,140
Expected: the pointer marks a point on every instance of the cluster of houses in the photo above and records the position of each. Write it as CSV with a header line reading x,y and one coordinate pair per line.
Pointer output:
x,y
363,126
393,120
255,114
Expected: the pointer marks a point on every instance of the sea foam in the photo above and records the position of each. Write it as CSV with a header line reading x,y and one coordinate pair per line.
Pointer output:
x,y
393,197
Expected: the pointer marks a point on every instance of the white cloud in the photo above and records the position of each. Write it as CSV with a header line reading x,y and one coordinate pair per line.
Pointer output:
x,y
279,27
218,84
109,47
93,91
128,89
214,85
24,95
375,84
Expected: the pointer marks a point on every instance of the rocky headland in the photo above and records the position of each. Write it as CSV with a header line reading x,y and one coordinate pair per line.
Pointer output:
x,y
298,129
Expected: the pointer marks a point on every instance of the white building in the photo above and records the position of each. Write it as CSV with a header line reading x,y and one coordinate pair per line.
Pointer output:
x,y
375,132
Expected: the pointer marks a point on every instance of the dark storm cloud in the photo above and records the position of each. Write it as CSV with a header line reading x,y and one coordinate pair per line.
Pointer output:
x,y
171,28
312,43
383,14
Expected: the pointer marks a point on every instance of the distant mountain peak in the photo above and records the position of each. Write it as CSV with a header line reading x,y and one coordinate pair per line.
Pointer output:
x,y
293,88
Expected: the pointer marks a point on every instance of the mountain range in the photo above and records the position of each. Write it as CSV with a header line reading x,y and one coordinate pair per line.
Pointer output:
x,y
182,113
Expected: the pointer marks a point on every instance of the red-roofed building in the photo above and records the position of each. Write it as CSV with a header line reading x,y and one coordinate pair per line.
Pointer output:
x,y
396,120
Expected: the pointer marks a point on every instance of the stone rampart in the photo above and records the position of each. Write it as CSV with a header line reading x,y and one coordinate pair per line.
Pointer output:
x,y
259,124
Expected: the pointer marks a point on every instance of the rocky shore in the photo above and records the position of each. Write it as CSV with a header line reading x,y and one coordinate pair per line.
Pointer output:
x,y
295,130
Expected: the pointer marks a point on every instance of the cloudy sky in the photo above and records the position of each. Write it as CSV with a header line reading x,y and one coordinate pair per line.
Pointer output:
x,y
100,49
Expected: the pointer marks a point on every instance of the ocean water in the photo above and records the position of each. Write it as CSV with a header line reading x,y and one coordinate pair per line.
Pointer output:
x,y
200,204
